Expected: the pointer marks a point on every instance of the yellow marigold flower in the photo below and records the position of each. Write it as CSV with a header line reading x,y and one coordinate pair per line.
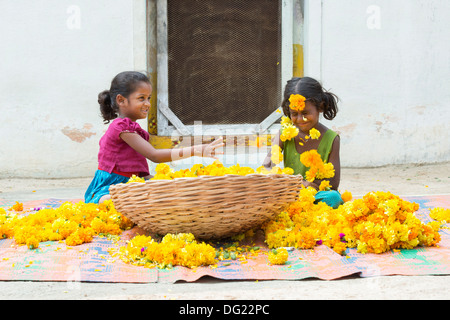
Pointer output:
x,y
262,170
163,168
314,133
324,185
135,178
297,102
288,170
277,155
32,243
289,132
286,121
326,171
440,214
278,256
276,170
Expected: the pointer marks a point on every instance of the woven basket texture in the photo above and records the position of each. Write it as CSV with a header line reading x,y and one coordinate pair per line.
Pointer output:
x,y
209,207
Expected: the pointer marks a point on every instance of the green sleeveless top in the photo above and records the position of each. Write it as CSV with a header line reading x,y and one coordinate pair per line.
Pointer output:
x,y
291,157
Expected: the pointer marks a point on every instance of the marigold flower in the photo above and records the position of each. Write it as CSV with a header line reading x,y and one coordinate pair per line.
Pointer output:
x,y
297,102
18,206
287,170
286,121
163,168
311,158
440,214
278,256
135,178
346,196
277,155
289,132
314,133
325,185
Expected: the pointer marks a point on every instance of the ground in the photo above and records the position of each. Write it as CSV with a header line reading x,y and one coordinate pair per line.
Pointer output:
x,y
399,179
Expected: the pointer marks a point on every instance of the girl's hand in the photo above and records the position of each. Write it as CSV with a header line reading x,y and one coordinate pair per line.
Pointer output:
x,y
209,150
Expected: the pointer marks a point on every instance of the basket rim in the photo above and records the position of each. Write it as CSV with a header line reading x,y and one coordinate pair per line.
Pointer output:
x,y
208,177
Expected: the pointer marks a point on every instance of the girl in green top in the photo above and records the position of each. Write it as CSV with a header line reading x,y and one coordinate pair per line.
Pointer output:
x,y
317,101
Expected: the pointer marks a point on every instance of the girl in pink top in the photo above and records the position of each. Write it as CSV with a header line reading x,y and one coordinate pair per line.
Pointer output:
x,y
124,148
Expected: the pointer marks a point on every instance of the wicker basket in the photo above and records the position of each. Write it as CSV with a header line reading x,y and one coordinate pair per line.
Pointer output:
x,y
210,207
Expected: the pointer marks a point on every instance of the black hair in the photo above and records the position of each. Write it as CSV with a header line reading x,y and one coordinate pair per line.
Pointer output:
x,y
313,91
124,84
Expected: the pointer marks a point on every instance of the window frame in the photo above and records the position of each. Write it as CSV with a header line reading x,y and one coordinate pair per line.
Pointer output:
x,y
168,124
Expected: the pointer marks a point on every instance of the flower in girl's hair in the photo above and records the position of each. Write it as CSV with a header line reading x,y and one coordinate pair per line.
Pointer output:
x,y
297,102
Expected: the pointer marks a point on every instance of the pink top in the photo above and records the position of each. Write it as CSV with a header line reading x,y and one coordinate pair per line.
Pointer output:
x,y
116,155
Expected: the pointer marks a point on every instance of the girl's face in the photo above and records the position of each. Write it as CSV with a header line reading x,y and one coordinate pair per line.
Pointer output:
x,y
137,105
306,119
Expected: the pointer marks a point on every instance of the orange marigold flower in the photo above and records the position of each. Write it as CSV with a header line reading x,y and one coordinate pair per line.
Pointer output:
x,y
18,206
311,158
346,196
297,102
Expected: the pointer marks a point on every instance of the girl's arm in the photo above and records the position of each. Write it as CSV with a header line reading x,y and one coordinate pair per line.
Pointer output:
x,y
268,160
142,146
336,161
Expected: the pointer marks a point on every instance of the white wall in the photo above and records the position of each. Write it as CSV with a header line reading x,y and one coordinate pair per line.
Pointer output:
x,y
55,57
389,62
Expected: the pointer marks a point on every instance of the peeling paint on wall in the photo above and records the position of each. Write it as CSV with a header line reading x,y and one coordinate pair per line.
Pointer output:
x,y
79,135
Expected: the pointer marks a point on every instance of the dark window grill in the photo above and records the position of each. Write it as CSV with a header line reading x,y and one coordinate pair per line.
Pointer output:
x,y
224,60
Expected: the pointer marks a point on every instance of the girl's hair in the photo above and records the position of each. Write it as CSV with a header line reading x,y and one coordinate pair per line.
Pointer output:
x,y
124,84
312,90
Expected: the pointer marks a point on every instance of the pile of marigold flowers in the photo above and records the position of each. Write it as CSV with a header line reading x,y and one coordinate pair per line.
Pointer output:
x,y
378,222
165,172
180,249
76,223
